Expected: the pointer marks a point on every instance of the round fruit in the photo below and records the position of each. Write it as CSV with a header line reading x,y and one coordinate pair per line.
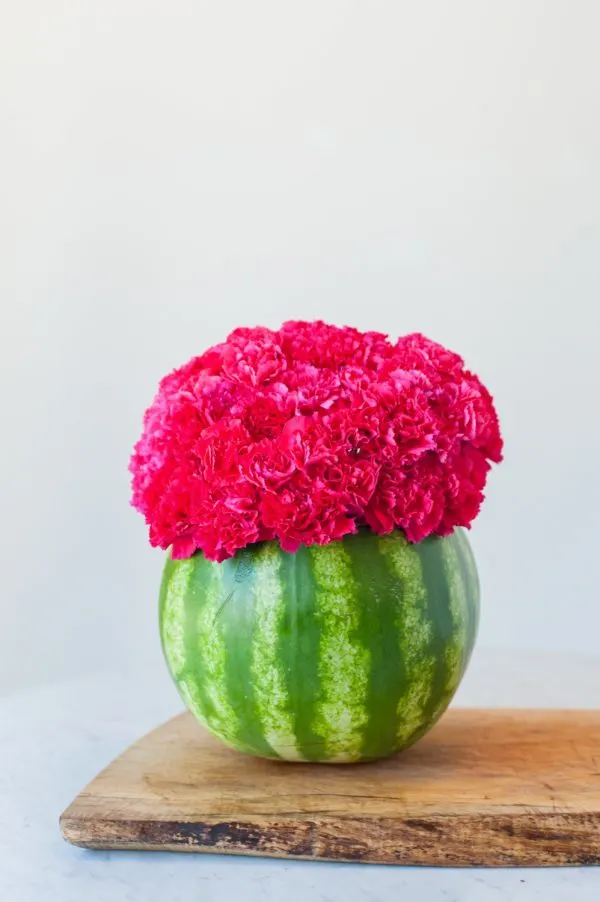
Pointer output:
x,y
337,653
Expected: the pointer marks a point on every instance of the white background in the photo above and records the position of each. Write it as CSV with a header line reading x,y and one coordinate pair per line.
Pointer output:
x,y
170,170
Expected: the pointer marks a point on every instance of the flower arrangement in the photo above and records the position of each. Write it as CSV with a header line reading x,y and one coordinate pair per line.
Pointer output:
x,y
309,432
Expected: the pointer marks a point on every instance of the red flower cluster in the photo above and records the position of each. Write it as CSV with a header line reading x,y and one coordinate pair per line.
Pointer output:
x,y
309,432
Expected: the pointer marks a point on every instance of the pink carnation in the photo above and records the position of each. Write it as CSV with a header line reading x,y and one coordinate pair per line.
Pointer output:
x,y
307,433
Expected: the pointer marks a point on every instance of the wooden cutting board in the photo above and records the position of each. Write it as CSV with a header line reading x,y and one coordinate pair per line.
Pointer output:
x,y
485,787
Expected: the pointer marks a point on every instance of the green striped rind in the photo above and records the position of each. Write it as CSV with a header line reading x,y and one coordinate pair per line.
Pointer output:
x,y
173,596
380,599
202,681
341,714
268,676
339,653
206,680
471,580
239,621
298,649
176,592
452,605
211,646
456,646
414,632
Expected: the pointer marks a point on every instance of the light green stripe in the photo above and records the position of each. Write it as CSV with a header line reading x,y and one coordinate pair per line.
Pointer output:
x,y
471,580
269,683
457,643
219,713
192,696
341,712
173,614
414,633
464,544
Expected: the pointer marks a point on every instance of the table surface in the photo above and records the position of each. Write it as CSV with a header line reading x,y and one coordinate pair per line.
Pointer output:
x,y
54,739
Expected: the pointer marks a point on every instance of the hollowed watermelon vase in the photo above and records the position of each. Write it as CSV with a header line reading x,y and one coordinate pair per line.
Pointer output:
x,y
345,652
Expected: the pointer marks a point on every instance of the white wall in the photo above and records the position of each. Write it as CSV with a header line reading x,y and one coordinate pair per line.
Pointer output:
x,y
170,170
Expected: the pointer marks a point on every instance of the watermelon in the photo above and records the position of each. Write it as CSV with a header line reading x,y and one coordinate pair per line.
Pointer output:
x,y
344,652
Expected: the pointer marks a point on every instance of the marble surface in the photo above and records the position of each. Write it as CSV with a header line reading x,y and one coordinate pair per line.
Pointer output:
x,y
55,738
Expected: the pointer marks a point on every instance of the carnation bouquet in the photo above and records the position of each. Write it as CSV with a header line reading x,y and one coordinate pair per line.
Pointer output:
x,y
320,600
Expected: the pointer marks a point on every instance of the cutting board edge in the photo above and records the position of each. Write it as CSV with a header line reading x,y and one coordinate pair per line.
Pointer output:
x,y
516,840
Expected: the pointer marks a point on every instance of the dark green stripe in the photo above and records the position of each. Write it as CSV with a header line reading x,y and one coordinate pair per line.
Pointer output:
x,y
439,613
379,595
299,648
237,621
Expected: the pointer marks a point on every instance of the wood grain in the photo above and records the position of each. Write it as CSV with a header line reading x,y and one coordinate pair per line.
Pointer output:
x,y
485,787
